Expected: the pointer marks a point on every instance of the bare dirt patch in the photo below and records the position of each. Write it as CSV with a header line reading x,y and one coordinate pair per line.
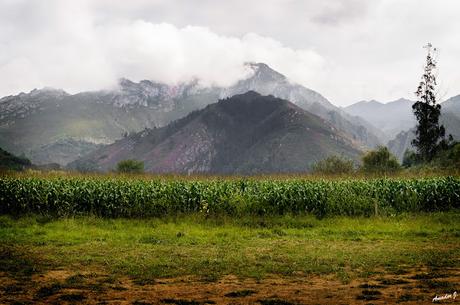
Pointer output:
x,y
415,286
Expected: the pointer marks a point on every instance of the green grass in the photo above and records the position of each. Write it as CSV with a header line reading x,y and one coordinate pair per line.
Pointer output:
x,y
213,247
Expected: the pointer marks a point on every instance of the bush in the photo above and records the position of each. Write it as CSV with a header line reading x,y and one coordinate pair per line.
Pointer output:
x,y
447,160
449,157
333,165
130,167
380,161
411,158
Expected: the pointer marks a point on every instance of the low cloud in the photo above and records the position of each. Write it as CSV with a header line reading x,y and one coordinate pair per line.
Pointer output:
x,y
348,50
75,51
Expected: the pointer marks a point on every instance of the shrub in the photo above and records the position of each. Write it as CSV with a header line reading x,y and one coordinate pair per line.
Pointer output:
x,y
333,165
450,157
130,167
411,158
380,161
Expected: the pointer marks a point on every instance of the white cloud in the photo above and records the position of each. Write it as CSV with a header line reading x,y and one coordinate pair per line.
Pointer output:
x,y
347,50
74,52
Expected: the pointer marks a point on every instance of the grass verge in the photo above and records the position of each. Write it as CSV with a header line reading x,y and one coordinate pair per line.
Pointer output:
x,y
210,248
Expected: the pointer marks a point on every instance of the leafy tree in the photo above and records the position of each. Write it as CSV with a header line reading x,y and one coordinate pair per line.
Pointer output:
x,y
449,157
429,135
380,161
130,167
411,158
333,165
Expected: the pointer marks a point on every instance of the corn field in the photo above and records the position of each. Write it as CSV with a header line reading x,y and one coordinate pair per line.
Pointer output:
x,y
116,197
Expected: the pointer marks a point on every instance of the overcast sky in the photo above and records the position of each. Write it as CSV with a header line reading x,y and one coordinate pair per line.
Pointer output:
x,y
347,50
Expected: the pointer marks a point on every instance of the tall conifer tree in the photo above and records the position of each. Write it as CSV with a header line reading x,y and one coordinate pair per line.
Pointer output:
x,y
430,136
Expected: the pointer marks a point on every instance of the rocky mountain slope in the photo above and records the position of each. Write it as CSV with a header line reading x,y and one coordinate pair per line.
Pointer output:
x,y
51,125
244,134
268,81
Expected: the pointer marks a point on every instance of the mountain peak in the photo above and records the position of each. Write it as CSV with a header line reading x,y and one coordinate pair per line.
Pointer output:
x,y
263,72
249,94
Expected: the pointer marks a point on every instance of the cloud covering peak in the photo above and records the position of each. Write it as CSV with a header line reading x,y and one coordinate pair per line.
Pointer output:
x,y
76,51
348,50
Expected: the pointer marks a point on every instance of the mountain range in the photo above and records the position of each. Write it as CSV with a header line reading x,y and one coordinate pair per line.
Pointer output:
x,y
52,126
391,118
245,134
397,120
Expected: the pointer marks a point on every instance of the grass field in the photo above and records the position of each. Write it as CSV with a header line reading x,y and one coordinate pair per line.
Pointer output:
x,y
194,259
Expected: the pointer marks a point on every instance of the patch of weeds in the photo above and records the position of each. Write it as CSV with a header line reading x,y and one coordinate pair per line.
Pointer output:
x,y
440,259
399,271
72,297
211,277
264,234
180,234
275,302
240,293
110,279
150,240
76,279
409,297
419,234
48,290
393,281
278,232
40,233
369,273
118,288
343,276
6,222
43,219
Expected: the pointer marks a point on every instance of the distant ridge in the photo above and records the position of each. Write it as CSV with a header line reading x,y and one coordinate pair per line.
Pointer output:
x,y
392,117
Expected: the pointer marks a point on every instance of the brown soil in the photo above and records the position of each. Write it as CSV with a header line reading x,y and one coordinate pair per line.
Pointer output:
x,y
409,286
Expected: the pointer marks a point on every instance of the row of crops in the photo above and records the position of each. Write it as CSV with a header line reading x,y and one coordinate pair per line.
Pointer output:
x,y
112,197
